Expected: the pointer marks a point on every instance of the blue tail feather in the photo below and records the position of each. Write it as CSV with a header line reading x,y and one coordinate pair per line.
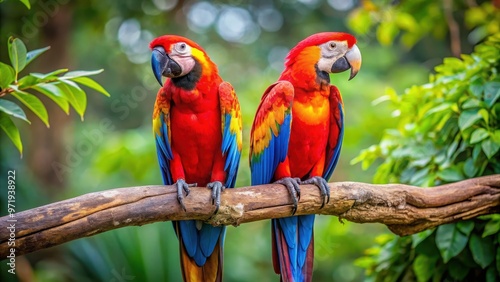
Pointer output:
x,y
199,243
297,232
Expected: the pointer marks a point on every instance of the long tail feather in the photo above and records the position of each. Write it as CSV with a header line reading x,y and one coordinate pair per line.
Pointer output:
x,y
293,248
212,268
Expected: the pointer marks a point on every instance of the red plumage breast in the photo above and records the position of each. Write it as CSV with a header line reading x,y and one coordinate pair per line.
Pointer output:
x,y
307,147
309,136
196,133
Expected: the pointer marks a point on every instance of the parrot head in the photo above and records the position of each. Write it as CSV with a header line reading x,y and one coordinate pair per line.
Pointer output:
x,y
176,56
332,52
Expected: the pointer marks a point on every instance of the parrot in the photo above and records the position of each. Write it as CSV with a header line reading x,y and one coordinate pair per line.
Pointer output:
x,y
296,138
198,132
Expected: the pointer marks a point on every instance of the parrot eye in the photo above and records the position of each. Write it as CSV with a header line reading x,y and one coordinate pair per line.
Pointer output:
x,y
332,45
182,48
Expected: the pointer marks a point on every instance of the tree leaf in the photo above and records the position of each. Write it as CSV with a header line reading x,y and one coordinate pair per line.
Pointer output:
x,y
33,54
482,250
439,108
423,267
490,147
492,227
28,81
47,75
468,118
26,3
34,104
496,136
466,227
491,93
451,174
450,241
471,103
17,53
11,130
476,87
8,75
485,115
386,32
419,237
12,109
75,96
73,74
91,83
470,169
478,135
406,21
491,275
55,94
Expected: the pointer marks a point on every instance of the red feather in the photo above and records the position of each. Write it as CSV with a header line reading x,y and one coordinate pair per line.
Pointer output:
x,y
318,39
169,40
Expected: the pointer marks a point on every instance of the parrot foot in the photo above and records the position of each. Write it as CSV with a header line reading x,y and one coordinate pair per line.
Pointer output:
x,y
217,187
292,184
324,189
183,186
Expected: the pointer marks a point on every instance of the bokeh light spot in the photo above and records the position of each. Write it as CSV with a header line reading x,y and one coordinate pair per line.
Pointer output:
x,y
165,5
270,19
341,5
201,16
236,25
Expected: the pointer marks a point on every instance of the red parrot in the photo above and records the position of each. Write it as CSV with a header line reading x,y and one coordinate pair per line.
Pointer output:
x,y
296,139
197,128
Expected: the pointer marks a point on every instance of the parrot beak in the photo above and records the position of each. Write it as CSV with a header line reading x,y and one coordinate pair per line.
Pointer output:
x,y
351,60
162,64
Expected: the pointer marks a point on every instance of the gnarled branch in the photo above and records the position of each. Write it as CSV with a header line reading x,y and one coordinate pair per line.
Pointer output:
x,y
404,209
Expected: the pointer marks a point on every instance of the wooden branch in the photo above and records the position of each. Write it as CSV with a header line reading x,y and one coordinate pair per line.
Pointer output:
x,y
454,28
404,209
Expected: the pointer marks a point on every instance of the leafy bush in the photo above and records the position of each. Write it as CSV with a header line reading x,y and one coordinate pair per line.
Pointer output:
x,y
448,130
408,22
63,90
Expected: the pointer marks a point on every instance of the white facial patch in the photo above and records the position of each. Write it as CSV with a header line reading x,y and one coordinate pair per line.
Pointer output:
x,y
186,62
330,52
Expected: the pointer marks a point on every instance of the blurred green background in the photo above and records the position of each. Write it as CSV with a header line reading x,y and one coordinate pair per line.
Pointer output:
x,y
401,42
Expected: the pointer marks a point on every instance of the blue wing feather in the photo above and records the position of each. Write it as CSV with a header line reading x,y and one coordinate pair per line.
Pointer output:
x,y
265,164
230,149
332,162
198,243
297,231
231,138
202,241
163,151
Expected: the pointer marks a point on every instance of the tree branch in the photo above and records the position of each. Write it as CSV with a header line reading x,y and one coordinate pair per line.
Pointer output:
x,y
404,209
453,27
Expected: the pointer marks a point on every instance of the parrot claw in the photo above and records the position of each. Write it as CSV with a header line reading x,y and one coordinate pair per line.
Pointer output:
x,y
324,189
217,187
183,186
292,184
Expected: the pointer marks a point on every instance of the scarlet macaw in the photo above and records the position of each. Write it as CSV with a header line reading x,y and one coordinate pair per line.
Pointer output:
x,y
296,139
197,128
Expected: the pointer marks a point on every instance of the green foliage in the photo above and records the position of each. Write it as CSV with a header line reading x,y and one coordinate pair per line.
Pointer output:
x,y
123,153
62,89
410,21
448,130
26,3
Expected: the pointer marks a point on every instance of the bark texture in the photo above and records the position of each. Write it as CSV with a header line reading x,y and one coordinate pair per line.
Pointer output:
x,y
404,209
